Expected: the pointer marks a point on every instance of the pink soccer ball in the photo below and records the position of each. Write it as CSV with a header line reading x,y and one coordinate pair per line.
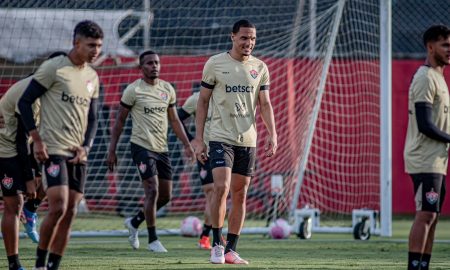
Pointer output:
x,y
279,229
191,227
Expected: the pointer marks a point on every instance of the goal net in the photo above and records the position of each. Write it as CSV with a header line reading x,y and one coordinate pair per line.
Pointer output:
x,y
323,58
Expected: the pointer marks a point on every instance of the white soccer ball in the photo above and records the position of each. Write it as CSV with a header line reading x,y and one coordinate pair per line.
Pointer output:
x,y
191,227
279,229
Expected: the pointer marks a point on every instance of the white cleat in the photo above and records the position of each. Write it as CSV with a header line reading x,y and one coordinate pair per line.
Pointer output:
x,y
156,246
217,254
133,237
40,268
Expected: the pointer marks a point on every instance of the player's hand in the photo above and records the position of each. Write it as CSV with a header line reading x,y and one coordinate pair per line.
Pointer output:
x,y
270,148
40,151
111,160
199,150
189,152
80,155
2,121
31,189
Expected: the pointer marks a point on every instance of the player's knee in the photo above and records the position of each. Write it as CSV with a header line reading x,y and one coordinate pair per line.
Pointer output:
x,y
164,199
57,210
221,189
427,218
12,208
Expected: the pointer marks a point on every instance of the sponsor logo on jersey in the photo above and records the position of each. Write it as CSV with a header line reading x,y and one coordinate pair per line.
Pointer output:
x,y
163,96
7,182
239,88
220,162
89,86
432,196
254,73
148,110
142,167
219,151
75,99
53,169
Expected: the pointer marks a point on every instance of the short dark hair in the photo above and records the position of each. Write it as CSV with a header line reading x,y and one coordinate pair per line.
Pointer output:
x,y
88,29
242,23
56,54
143,54
435,32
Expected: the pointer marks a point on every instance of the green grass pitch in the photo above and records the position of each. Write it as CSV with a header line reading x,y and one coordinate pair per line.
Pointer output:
x,y
322,251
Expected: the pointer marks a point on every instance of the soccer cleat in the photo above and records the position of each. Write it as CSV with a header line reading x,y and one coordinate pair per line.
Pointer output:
x,y
21,268
133,237
156,246
40,268
204,243
233,258
217,254
30,223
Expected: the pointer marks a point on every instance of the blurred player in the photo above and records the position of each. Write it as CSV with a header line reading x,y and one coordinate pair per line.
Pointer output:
x,y
68,89
189,108
426,147
151,103
235,82
18,170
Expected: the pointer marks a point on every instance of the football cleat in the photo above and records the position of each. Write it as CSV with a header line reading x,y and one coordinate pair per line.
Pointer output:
x,y
217,254
233,258
30,223
156,246
133,233
204,243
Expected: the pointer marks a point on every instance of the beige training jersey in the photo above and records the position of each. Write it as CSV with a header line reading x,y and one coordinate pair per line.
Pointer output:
x,y
235,87
8,108
423,154
149,105
190,106
65,104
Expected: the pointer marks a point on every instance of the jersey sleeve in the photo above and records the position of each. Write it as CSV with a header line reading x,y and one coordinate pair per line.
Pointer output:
x,y
209,75
96,87
265,79
46,74
173,96
190,106
129,96
423,90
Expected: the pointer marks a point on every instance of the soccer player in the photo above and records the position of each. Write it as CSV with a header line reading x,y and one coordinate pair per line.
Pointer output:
x,y
426,147
19,171
235,82
189,108
151,103
68,90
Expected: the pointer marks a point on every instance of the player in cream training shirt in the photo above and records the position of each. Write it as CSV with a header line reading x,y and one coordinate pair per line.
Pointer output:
x,y
233,83
152,105
427,141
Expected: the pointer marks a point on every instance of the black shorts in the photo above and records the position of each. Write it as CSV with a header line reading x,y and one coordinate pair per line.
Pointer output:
x,y
151,163
429,191
205,173
12,176
57,171
240,159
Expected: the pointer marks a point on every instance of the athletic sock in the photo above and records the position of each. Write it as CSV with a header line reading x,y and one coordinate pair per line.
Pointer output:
x,y
414,260
53,261
138,219
425,262
232,240
41,256
13,262
206,230
217,236
152,234
32,205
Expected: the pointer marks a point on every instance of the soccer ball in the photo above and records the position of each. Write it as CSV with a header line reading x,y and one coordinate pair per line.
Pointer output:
x,y
279,229
191,227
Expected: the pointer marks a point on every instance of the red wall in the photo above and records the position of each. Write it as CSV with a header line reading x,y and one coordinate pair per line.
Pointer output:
x,y
402,188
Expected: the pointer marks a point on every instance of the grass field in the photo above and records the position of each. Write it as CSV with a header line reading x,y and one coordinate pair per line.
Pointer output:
x,y
323,251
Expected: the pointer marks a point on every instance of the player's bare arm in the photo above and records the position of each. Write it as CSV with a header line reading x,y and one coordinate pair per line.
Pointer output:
x,y
179,131
200,119
271,144
122,115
